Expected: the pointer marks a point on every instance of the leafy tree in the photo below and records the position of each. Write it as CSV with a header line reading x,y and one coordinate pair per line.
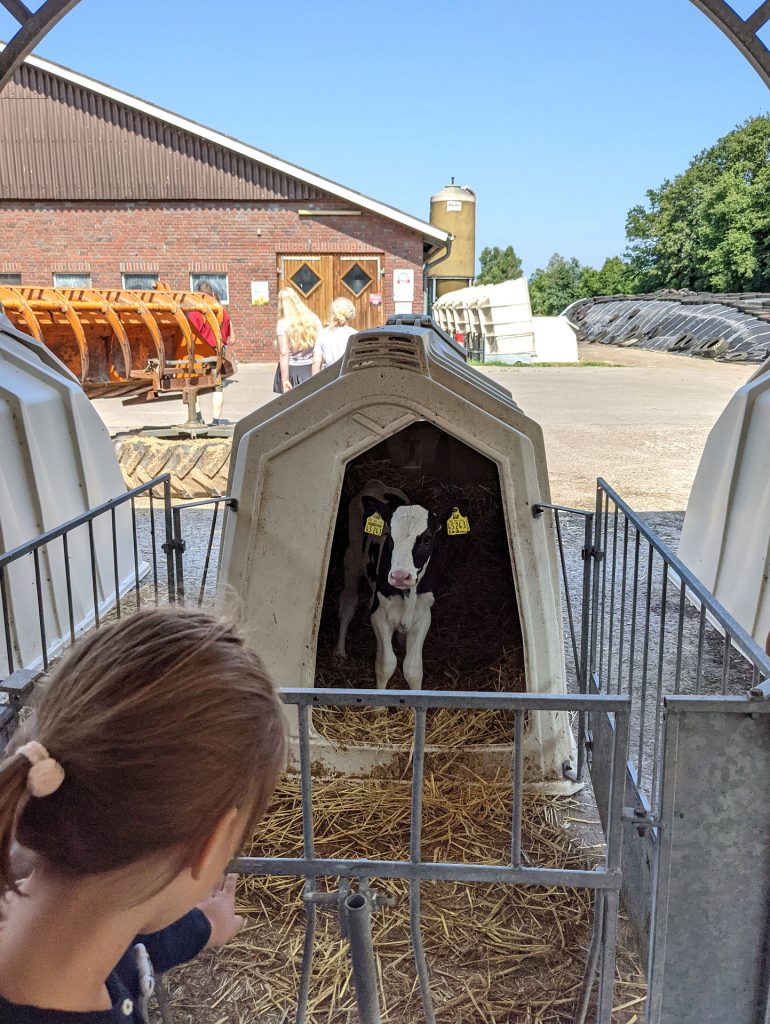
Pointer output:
x,y
709,228
614,278
553,289
498,265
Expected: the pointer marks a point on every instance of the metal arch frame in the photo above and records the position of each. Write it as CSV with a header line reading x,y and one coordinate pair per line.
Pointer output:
x,y
34,25
742,32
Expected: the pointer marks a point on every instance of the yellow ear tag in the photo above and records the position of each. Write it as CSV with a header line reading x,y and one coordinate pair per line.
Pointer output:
x,y
457,524
375,524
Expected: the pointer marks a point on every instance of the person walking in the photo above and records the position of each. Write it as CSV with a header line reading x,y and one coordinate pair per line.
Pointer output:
x,y
204,331
296,335
333,339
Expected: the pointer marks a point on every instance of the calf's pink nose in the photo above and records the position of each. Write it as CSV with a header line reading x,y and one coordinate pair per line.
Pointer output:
x,y
399,578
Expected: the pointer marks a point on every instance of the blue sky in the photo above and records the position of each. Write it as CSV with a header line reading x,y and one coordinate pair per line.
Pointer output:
x,y
558,114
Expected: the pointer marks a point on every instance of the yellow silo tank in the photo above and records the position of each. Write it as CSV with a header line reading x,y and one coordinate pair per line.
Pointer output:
x,y
453,209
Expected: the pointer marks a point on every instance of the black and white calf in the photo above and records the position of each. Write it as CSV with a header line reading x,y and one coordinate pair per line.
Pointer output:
x,y
394,565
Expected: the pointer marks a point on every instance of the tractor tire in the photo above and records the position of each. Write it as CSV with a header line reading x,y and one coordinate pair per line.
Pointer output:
x,y
198,468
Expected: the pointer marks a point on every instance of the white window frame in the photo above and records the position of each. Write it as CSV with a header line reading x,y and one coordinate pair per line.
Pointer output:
x,y
86,275
139,273
10,284
197,277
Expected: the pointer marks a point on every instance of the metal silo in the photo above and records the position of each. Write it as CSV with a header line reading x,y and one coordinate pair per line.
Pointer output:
x,y
454,210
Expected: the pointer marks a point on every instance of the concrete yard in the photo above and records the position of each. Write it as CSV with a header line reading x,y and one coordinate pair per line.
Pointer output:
x,y
641,425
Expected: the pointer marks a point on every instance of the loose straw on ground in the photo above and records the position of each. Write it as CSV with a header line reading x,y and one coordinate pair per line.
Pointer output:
x,y
496,953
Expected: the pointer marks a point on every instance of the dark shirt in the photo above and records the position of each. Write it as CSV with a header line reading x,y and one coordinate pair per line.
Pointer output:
x,y
174,945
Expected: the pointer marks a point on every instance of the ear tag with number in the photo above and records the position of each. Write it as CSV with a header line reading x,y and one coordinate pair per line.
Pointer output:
x,y
457,523
375,524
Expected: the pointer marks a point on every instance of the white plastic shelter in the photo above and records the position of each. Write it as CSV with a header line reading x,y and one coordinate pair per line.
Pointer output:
x,y
726,534
506,321
287,470
57,462
502,314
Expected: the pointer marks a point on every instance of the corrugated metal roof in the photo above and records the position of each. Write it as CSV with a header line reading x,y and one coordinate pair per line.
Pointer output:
x,y
50,130
53,120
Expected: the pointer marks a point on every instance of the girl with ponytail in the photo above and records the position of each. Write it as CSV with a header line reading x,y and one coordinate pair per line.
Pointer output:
x,y
153,755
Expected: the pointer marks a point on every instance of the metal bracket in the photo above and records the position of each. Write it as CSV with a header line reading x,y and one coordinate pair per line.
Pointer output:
x,y
18,685
596,553
642,819
355,910
174,545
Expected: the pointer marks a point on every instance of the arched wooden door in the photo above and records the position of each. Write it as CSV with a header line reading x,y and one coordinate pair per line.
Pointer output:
x,y
322,277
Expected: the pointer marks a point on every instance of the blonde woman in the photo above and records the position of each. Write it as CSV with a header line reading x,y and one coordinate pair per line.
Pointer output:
x,y
297,332
333,339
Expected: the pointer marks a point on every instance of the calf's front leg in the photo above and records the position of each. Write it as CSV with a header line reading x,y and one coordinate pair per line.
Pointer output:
x,y
385,662
415,639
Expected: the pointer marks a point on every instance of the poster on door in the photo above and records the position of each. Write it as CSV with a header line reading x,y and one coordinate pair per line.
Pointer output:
x,y
403,285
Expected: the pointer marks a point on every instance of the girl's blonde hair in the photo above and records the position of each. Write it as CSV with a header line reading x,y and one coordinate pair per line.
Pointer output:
x,y
341,312
161,723
302,323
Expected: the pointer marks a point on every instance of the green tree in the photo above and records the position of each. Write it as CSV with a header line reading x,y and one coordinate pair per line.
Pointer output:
x,y
615,278
498,265
709,228
553,289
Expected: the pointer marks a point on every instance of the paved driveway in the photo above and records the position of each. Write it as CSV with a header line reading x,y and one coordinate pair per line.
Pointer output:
x,y
642,425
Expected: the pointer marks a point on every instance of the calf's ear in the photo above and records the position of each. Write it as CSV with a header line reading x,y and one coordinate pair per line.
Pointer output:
x,y
437,521
372,505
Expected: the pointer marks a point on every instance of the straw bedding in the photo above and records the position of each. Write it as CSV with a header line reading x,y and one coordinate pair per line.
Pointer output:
x,y
496,954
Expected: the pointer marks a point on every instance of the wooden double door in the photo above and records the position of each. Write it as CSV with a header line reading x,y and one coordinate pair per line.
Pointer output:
x,y
323,277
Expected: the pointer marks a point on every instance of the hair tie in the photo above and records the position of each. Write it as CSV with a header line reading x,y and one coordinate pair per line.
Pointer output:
x,y
45,774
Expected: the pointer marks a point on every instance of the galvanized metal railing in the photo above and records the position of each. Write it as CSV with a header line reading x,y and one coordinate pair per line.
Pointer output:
x,y
656,630
53,559
179,543
604,880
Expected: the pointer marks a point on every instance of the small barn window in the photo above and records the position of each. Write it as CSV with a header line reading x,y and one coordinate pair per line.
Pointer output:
x,y
140,282
218,282
10,278
72,280
306,280
356,279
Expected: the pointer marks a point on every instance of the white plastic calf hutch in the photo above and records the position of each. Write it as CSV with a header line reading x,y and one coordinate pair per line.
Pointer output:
x,y
403,406
58,462
726,533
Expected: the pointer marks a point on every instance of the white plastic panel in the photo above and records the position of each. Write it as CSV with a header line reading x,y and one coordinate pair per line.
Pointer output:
x,y
276,547
726,534
555,340
58,461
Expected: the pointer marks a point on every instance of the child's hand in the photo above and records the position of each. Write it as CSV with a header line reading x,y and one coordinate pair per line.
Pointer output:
x,y
219,908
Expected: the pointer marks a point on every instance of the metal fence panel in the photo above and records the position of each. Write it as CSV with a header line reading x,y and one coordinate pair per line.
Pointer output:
x,y
710,931
640,842
604,879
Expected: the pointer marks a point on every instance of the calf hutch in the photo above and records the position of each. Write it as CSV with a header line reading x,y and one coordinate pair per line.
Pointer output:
x,y
57,464
402,408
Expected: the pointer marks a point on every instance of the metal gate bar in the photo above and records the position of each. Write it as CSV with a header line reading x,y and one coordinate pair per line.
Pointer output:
x,y
631,654
656,632
45,546
605,880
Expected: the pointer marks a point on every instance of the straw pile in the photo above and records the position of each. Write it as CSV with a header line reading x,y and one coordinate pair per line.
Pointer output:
x,y
474,641
496,954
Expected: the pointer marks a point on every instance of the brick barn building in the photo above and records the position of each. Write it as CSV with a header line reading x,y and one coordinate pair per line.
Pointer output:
x,y
104,190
